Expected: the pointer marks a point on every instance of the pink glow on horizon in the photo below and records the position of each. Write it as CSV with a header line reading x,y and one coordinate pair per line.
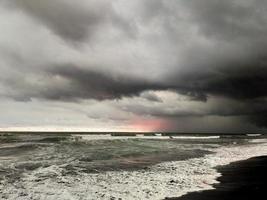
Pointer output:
x,y
146,125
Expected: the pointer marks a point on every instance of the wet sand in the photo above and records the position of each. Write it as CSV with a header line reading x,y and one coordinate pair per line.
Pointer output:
x,y
244,180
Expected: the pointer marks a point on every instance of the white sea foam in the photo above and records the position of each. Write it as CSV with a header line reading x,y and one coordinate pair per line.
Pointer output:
x,y
261,140
140,136
170,179
254,135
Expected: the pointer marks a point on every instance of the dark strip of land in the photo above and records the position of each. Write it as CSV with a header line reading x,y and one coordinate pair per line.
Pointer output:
x,y
223,135
244,180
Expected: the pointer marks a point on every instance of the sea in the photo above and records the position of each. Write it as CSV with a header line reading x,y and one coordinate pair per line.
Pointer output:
x,y
114,166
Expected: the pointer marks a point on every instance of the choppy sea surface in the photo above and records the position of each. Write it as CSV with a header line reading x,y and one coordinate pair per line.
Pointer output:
x,y
70,166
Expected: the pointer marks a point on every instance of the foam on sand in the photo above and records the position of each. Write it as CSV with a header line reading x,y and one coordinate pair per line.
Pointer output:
x,y
170,179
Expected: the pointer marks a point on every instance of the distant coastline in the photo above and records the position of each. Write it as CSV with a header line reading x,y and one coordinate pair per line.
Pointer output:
x,y
132,132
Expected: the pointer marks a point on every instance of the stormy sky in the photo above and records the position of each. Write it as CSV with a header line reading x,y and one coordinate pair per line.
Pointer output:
x,y
142,65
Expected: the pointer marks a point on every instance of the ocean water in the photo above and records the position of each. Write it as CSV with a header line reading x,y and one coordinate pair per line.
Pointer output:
x,y
70,167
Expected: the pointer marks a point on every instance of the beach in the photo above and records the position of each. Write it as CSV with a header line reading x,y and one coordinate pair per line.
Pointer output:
x,y
244,180
71,167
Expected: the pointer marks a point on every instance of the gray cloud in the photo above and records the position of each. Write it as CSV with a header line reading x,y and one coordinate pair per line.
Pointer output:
x,y
230,20
92,84
69,19
151,97
202,49
72,83
73,21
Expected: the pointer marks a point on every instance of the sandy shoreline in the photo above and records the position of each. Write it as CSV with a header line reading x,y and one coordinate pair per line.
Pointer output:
x,y
240,180
169,179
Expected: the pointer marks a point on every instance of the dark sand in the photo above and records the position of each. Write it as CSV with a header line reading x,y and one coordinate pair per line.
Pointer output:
x,y
240,180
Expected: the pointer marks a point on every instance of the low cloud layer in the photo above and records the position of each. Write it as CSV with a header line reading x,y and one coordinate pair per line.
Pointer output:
x,y
136,56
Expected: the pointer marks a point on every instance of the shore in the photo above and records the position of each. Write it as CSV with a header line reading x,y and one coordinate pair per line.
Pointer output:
x,y
240,180
55,168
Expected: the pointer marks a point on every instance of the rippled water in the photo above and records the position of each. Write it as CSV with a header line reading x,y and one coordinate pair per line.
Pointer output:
x,y
47,158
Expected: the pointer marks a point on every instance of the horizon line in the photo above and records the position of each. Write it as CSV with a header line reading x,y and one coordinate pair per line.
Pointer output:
x,y
137,132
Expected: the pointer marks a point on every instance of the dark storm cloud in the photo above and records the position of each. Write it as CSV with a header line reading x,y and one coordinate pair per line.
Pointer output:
x,y
223,109
86,84
258,110
230,19
258,119
235,62
71,20
198,48
233,81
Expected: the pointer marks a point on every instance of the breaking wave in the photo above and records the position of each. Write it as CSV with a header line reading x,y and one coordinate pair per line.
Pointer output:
x,y
61,168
